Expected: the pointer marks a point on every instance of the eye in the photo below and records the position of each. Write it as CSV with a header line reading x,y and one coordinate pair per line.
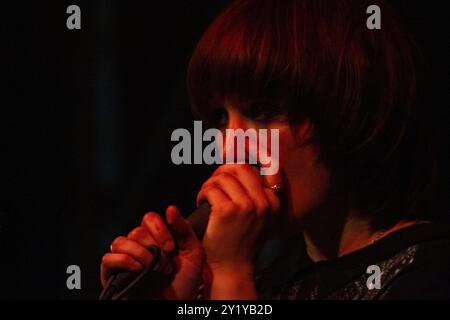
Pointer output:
x,y
220,118
263,112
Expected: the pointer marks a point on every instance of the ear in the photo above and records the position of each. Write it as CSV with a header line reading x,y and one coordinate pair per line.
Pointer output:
x,y
304,132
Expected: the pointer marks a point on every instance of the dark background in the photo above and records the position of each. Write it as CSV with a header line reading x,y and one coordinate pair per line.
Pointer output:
x,y
86,118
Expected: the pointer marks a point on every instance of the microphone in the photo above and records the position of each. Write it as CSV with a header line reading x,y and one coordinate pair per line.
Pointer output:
x,y
121,283
199,219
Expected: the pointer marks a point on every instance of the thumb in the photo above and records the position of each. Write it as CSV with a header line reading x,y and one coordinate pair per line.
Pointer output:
x,y
183,233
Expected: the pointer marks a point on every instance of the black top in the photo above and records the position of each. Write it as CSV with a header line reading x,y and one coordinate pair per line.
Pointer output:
x,y
414,264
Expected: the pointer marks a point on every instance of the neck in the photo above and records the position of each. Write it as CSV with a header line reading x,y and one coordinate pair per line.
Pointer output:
x,y
332,238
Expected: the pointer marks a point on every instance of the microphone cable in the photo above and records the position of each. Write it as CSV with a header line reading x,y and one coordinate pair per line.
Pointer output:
x,y
116,287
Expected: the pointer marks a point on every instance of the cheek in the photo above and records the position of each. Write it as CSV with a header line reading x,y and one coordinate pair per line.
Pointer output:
x,y
308,181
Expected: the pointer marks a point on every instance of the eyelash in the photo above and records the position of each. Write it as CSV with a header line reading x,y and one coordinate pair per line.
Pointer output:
x,y
262,113
221,118
257,112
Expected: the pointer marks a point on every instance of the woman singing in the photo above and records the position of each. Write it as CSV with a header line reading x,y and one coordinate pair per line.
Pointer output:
x,y
347,215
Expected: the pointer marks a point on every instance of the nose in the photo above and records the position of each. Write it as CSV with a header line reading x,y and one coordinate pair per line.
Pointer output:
x,y
237,121
236,149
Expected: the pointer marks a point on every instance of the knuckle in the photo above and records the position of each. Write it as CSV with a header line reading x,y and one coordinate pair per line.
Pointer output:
x,y
135,233
222,208
247,206
236,166
105,259
208,184
243,168
150,217
230,208
125,259
226,176
222,168
117,242
263,206
209,187
228,168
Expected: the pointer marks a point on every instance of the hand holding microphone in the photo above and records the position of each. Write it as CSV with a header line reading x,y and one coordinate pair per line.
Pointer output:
x,y
241,211
244,207
130,255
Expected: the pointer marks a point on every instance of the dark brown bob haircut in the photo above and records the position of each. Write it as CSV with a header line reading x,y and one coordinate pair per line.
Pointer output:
x,y
317,60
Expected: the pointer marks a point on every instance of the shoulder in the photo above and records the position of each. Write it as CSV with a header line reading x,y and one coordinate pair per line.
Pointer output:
x,y
420,270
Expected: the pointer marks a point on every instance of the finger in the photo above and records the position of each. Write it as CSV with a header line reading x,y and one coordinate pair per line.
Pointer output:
x,y
250,176
118,261
133,249
159,231
182,230
273,187
252,182
213,195
234,190
142,236
242,171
